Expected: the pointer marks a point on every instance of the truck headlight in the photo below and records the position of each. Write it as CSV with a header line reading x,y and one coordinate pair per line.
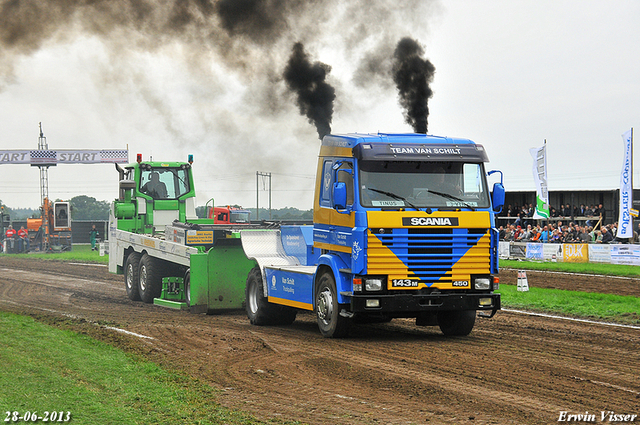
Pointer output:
x,y
482,283
373,284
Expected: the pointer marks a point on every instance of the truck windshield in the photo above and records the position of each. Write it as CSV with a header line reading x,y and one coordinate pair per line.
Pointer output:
x,y
164,182
399,184
239,216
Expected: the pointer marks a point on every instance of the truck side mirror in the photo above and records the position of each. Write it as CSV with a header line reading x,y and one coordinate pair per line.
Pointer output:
x,y
497,197
340,195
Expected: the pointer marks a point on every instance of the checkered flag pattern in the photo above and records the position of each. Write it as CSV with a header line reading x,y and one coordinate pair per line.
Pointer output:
x,y
121,156
43,157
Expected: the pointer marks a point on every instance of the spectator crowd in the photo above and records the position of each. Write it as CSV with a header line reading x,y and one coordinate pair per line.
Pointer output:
x,y
527,229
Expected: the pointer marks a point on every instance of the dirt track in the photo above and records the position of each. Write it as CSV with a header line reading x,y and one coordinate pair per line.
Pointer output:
x,y
512,369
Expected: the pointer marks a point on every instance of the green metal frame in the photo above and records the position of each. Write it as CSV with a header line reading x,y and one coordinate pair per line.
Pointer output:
x,y
218,279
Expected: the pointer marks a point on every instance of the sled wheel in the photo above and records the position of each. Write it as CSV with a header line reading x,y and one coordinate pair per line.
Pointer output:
x,y
187,288
132,276
150,278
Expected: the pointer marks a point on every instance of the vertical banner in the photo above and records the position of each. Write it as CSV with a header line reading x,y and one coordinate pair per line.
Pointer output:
x,y
540,177
625,222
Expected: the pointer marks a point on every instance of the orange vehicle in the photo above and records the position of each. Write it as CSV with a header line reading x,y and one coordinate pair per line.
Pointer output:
x,y
52,231
229,215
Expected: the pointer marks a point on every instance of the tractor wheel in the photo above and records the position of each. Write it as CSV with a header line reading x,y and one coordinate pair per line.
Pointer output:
x,y
132,276
456,323
330,322
150,278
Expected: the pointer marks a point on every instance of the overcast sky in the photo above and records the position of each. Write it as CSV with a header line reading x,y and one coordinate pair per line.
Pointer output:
x,y
508,75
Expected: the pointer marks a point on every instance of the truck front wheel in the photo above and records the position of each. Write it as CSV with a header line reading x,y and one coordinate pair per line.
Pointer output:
x,y
150,278
456,323
131,276
330,322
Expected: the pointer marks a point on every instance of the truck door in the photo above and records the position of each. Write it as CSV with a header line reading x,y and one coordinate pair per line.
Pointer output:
x,y
333,226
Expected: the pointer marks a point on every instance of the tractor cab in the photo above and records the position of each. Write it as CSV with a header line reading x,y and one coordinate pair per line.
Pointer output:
x,y
154,194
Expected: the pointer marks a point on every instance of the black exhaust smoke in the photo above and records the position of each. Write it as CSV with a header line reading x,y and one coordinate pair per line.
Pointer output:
x,y
314,96
412,75
247,37
260,20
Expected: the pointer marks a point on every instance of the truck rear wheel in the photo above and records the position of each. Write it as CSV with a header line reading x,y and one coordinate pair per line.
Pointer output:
x,y
456,323
132,276
330,322
150,278
260,311
187,288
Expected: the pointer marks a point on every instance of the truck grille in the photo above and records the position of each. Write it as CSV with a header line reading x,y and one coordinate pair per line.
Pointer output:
x,y
430,255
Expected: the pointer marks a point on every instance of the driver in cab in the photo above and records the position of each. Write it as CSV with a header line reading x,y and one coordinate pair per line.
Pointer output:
x,y
154,187
442,183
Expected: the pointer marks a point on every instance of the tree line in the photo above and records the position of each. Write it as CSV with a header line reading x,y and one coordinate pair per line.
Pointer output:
x,y
89,208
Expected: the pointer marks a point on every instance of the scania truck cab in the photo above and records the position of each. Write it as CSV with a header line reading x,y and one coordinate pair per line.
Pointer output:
x,y
403,228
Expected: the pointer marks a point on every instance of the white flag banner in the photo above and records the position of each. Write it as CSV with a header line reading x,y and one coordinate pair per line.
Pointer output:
x,y
625,222
540,178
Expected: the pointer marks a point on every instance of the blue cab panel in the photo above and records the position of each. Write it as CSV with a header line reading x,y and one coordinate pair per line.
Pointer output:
x,y
298,242
289,287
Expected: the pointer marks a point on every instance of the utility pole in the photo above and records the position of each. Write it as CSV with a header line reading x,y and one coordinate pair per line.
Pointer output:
x,y
44,191
264,175
44,169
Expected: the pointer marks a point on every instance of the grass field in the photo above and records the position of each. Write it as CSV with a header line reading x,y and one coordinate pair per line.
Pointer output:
x,y
45,369
607,307
79,253
588,305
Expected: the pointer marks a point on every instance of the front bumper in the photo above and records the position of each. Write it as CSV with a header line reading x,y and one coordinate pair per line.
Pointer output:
x,y
416,303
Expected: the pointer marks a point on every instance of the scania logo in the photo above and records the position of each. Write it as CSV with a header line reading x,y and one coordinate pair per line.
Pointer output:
x,y
430,221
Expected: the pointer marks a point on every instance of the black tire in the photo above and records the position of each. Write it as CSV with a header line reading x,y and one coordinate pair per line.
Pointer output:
x,y
260,311
287,315
187,287
330,322
456,323
150,278
132,276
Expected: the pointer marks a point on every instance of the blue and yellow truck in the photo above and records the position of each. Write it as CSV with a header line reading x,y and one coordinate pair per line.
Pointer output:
x,y
403,228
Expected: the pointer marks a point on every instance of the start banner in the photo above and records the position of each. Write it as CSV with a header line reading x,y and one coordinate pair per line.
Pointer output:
x,y
40,157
